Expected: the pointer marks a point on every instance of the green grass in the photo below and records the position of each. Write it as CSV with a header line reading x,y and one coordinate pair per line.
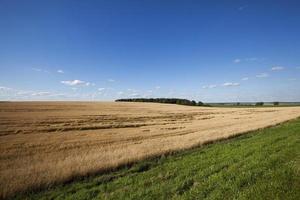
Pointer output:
x,y
264,164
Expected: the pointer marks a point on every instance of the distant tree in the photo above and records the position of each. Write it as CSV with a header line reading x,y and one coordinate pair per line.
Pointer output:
x,y
259,104
276,103
193,103
164,100
238,103
200,103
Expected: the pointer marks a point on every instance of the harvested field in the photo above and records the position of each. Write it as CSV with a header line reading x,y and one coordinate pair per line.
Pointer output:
x,y
43,143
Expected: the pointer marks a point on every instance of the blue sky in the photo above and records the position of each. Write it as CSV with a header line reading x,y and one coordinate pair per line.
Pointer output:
x,y
213,51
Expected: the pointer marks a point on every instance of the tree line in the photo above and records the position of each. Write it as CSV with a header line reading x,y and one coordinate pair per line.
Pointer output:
x,y
164,100
183,101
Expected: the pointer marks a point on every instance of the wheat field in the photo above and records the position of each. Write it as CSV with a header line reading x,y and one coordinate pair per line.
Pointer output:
x,y
44,143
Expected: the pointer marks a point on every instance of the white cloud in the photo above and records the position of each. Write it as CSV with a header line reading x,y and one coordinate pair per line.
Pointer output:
x,y
111,80
76,83
245,79
120,93
251,59
209,86
101,89
131,90
237,60
24,93
59,95
41,94
60,71
157,87
39,70
292,79
2,88
277,68
229,84
134,95
88,84
262,75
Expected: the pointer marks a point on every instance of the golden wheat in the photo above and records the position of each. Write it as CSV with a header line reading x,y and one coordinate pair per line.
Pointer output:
x,y
44,143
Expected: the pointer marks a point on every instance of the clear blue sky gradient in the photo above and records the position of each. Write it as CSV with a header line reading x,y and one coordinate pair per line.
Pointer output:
x,y
202,50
